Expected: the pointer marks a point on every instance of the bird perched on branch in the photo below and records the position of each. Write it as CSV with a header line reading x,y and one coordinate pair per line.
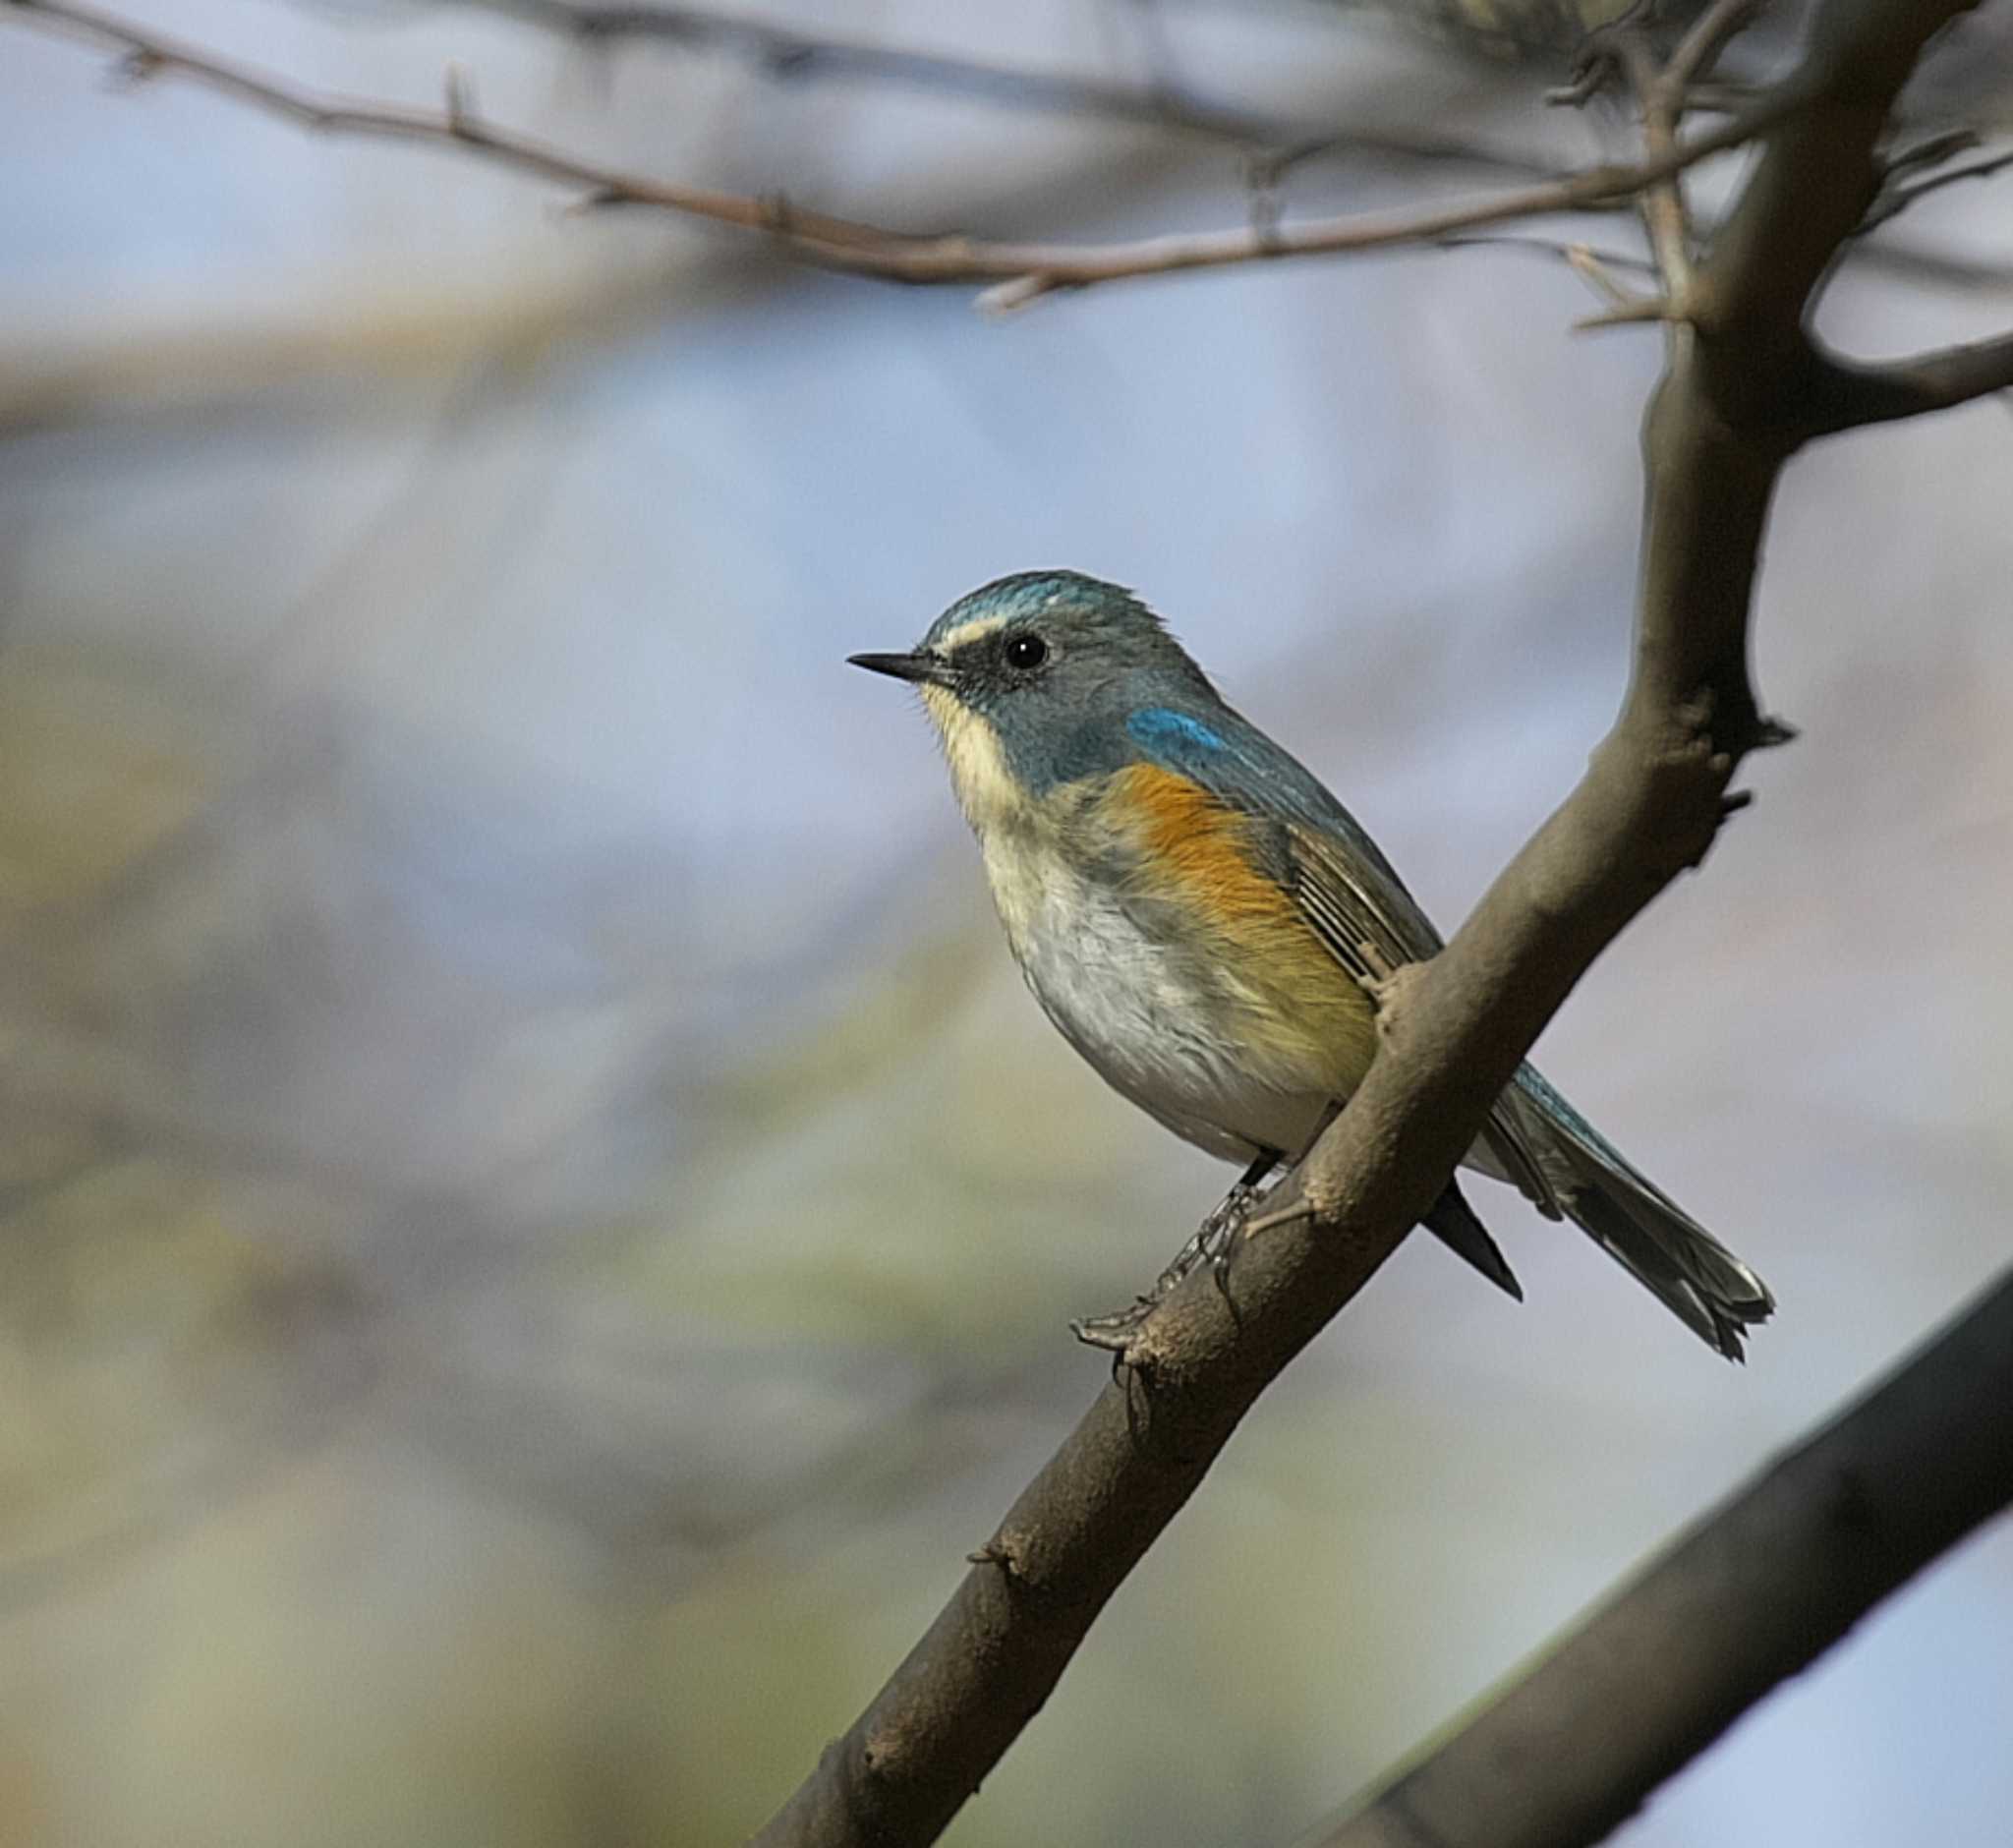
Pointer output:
x,y
1206,924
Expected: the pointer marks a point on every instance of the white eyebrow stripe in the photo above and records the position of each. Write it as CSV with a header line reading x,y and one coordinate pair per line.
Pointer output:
x,y
966,632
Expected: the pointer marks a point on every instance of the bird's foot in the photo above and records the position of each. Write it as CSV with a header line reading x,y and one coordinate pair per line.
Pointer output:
x,y
1214,1242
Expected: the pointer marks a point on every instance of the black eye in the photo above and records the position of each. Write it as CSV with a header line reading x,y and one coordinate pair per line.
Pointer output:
x,y
1025,651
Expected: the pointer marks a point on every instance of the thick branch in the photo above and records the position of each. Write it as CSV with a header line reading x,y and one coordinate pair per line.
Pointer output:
x,y
989,1662
1820,172
1022,270
1648,807
1757,1591
1734,403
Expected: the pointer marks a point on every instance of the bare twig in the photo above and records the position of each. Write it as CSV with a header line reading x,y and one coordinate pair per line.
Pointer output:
x,y
1664,105
1693,58
1929,152
1594,272
1762,1585
1664,215
1591,262
789,54
1719,96
1664,90
1634,313
1025,270
1593,267
152,55
1898,199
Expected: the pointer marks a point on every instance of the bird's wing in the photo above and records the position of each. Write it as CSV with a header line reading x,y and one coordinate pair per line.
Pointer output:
x,y
1348,893
1345,886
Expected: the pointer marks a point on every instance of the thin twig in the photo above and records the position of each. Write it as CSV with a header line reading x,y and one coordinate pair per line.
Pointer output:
x,y
1720,96
1024,270
1592,265
1930,152
1661,94
1594,272
1693,58
1664,91
1899,198
1583,259
1632,312
791,55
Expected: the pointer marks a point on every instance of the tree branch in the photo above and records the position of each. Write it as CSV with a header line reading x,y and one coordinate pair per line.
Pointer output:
x,y
791,55
1898,197
1649,806
1757,1591
1662,86
786,53
1844,395
1022,272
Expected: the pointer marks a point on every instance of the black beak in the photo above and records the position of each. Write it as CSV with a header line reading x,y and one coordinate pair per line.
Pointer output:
x,y
914,666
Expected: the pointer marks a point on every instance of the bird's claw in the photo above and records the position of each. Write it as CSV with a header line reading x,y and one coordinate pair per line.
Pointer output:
x,y
1113,1332
1214,1242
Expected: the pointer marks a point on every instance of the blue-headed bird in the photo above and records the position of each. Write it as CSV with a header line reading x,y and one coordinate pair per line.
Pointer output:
x,y
1205,924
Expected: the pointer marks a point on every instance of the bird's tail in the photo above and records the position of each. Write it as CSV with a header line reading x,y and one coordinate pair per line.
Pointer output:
x,y
1454,1223
1628,1215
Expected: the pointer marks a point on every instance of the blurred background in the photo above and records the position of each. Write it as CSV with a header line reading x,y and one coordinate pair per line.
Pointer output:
x,y
537,1221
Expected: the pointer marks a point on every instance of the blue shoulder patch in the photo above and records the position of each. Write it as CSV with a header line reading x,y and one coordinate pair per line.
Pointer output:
x,y
1158,729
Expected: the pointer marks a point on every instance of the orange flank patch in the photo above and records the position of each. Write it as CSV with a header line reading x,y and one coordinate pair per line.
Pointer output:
x,y
1302,1019
1204,848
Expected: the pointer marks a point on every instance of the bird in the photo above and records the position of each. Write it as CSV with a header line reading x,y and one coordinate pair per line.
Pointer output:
x,y
1207,926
